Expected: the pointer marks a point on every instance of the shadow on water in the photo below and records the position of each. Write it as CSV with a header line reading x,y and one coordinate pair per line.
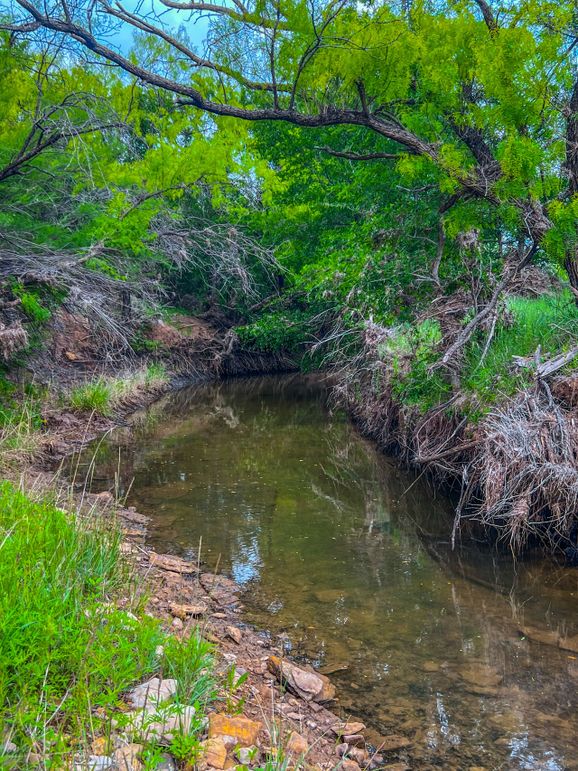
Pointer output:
x,y
346,558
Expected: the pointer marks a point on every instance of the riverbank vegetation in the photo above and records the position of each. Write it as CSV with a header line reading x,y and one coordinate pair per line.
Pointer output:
x,y
389,192
74,639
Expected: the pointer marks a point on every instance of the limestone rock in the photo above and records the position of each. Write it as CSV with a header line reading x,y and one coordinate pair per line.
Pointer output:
x,y
349,728
244,730
183,611
235,634
354,740
154,691
127,758
172,564
297,745
162,726
214,752
310,686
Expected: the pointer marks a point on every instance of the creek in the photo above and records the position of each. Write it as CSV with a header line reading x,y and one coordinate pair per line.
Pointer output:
x,y
345,559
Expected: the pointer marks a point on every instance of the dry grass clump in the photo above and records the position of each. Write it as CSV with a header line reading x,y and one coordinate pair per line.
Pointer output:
x,y
525,471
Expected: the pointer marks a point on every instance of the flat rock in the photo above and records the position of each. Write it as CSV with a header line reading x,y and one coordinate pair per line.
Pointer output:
x,y
184,611
154,691
241,728
480,675
392,743
569,643
223,590
310,686
350,727
172,564
234,634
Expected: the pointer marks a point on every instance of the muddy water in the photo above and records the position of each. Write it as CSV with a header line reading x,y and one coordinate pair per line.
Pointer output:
x,y
346,559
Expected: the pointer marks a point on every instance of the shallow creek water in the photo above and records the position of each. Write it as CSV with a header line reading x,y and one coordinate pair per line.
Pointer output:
x,y
345,557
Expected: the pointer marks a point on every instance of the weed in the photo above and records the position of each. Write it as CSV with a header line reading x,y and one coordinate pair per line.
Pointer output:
x,y
93,397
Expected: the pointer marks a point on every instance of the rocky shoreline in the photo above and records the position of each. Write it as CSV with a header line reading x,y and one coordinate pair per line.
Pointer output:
x,y
276,708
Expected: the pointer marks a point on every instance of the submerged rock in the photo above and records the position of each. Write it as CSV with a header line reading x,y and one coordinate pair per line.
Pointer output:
x,y
480,675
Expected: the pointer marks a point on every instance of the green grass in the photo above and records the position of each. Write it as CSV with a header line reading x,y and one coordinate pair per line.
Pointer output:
x,y
96,396
549,321
67,652
104,394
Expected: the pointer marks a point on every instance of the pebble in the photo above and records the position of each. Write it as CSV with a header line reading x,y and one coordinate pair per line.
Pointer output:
x,y
8,747
177,623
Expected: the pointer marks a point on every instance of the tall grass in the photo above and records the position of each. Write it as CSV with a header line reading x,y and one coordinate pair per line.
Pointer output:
x,y
549,321
67,652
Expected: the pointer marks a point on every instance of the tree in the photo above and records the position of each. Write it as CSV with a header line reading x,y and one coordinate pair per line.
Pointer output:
x,y
484,102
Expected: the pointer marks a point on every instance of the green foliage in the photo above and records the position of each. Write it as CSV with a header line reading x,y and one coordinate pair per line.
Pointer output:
x,y
278,331
548,322
67,653
62,652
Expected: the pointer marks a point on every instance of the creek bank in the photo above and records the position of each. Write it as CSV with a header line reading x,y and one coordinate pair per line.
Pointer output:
x,y
276,709
515,471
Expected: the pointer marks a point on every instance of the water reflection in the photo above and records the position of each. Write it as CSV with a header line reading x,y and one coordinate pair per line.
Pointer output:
x,y
347,557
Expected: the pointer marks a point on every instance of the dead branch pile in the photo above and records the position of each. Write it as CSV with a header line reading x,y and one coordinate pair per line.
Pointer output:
x,y
525,471
517,470
13,338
